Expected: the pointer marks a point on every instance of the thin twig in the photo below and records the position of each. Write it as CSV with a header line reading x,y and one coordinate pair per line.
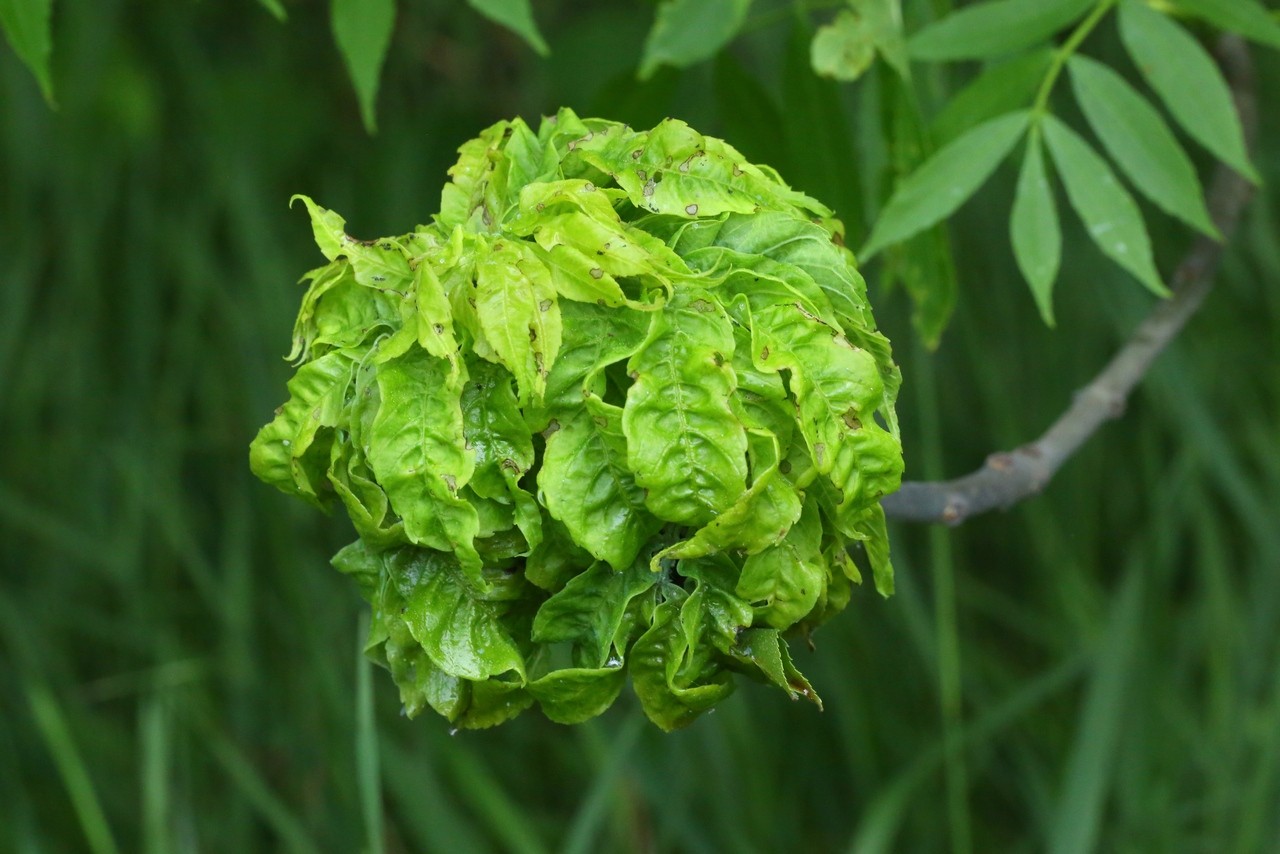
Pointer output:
x,y
1011,476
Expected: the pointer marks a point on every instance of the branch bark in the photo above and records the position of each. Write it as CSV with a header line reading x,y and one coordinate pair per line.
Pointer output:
x,y
1008,477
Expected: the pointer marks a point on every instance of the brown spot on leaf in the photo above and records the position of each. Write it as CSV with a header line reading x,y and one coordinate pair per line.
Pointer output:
x,y
545,305
851,419
596,273
819,451
691,210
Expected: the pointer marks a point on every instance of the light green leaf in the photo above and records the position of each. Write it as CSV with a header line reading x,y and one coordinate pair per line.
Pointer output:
x,y
993,28
1109,213
945,181
362,29
28,26
784,581
274,7
1249,18
689,31
684,443
1034,229
328,227
515,15
1140,142
573,695
586,484
435,314
461,634
1187,79
842,49
595,337
1000,88
279,453
670,672
757,520
417,452
518,312
767,652
588,612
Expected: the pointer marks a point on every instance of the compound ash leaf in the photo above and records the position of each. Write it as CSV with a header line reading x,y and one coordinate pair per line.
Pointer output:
x,y
993,28
416,450
460,633
586,484
1110,214
945,181
1140,141
279,453
684,443
518,311
515,15
1189,82
1001,88
785,581
362,29
689,31
1034,229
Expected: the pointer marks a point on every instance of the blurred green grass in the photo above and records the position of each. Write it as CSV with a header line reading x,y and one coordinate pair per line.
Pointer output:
x,y
178,671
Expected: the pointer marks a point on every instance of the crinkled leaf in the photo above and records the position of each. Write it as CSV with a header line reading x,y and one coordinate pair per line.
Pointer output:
x,y
1189,82
362,29
519,314
595,337
573,694
766,651
460,633
784,581
416,450
993,28
757,520
589,611
945,181
366,501
586,484
1140,141
1034,229
999,89
684,444
1249,18
277,454
28,27
843,49
327,226
1109,213
689,31
515,15
672,688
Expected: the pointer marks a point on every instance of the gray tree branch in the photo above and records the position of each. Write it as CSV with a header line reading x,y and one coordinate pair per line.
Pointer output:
x,y
1008,477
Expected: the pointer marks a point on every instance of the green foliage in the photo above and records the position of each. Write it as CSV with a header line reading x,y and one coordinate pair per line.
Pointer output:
x,y
641,337
27,25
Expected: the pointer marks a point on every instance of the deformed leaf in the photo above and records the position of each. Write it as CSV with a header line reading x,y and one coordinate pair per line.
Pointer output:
x,y
459,632
945,181
785,581
362,29
689,31
843,49
1189,82
27,26
519,313
683,442
416,450
1109,213
665,671
1140,142
993,28
515,15
1034,228
586,484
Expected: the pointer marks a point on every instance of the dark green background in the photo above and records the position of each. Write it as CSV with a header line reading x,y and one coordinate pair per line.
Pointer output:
x,y
178,658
